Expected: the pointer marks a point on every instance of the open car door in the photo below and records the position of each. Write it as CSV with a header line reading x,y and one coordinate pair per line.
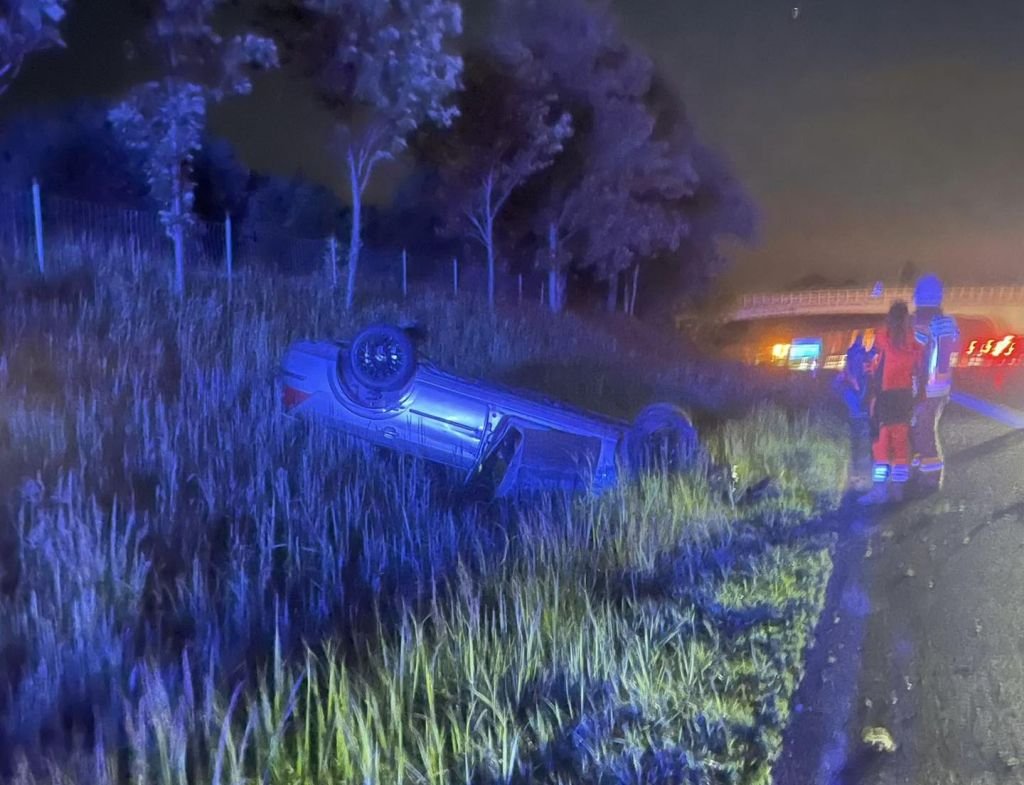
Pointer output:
x,y
534,459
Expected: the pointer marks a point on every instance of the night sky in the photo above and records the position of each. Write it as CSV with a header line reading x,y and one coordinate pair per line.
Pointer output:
x,y
870,132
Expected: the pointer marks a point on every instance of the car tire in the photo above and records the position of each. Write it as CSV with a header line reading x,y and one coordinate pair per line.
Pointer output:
x,y
382,359
662,438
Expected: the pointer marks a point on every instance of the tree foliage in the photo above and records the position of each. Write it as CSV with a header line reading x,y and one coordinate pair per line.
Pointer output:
x,y
74,153
719,206
27,26
606,201
221,181
630,185
279,210
392,56
509,129
909,273
385,67
625,201
165,119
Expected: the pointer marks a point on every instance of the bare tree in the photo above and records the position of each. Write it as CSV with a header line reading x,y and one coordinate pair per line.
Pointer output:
x,y
384,65
510,129
607,202
638,184
165,118
27,26
909,273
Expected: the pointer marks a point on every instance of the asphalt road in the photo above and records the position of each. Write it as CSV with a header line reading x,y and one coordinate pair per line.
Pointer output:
x,y
1000,385
924,634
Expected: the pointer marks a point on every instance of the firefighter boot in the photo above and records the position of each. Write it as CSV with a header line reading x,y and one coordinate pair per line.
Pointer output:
x,y
879,493
930,474
898,477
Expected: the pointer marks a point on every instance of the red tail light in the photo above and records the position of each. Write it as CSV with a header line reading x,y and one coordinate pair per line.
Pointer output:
x,y
293,397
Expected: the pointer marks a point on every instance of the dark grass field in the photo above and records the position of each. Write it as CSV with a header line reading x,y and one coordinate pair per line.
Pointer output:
x,y
195,589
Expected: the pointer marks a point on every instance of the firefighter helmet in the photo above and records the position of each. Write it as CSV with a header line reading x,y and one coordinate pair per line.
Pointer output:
x,y
928,292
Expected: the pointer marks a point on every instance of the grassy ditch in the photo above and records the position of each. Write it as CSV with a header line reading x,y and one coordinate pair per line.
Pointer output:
x,y
194,589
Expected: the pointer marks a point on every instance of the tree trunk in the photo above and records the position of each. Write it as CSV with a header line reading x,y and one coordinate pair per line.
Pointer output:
x,y
355,244
556,277
553,304
557,280
489,243
177,237
37,209
633,290
613,293
179,260
177,210
229,253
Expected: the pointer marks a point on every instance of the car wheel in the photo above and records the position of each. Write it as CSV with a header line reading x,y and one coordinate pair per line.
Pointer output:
x,y
382,358
662,438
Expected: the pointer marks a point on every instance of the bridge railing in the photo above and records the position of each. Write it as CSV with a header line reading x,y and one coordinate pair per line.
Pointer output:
x,y
818,298
1011,295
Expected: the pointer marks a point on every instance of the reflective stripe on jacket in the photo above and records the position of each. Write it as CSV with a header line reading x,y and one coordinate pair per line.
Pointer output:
x,y
938,334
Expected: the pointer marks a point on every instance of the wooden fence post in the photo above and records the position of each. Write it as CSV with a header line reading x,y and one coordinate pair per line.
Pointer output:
x,y
229,251
37,209
332,253
636,281
405,273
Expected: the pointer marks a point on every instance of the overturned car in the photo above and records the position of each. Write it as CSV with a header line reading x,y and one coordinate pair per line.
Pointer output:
x,y
504,441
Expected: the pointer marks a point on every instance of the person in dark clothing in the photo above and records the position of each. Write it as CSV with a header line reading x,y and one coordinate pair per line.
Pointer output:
x,y
856,375
940,336
852,385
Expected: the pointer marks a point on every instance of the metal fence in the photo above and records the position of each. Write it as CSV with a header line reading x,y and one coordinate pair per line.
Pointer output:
x,y
42,233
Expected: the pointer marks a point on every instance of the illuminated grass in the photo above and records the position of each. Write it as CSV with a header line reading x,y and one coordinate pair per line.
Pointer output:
x,y
210,593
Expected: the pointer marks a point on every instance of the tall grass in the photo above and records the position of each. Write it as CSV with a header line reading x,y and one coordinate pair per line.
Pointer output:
x,y
202,591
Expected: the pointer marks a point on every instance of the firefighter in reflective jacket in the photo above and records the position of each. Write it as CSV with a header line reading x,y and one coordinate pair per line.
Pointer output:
x,y
894,380
939,334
